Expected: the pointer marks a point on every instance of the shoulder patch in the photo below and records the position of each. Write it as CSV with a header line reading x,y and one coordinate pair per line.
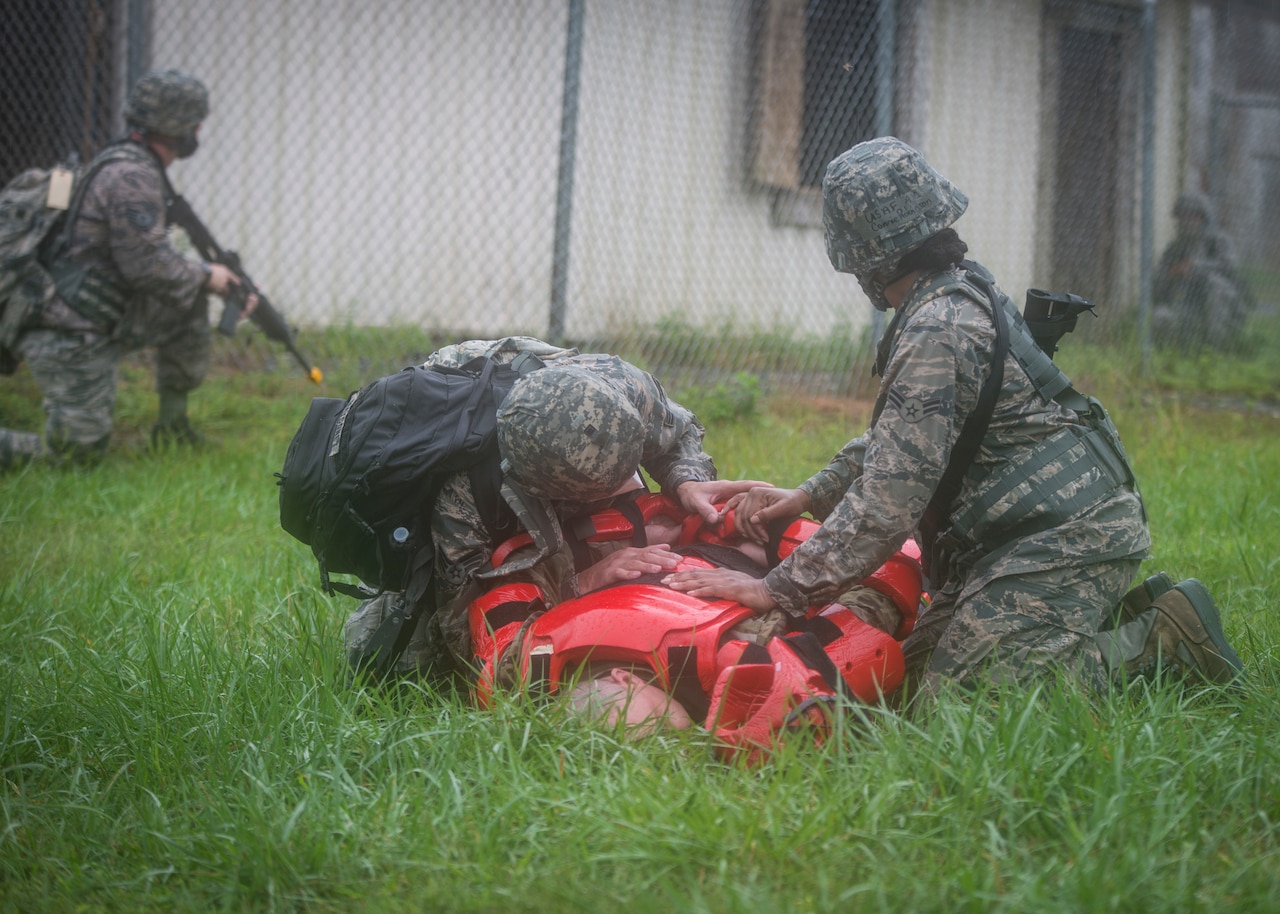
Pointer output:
x,y
141,216
911,408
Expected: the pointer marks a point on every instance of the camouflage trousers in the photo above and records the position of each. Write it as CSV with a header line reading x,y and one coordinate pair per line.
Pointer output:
x,y
1020,628
425,656
76,372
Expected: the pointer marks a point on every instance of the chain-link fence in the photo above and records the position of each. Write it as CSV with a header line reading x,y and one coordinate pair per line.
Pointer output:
x,y
645,175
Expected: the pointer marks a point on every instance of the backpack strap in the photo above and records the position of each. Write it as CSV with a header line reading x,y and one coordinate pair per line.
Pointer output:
x,y
1100,440
975,426
113,152
392,636
87,291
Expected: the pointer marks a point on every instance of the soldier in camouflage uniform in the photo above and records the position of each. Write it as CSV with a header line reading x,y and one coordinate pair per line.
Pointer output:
x,y
1047,530
572,435
122,286
1200,297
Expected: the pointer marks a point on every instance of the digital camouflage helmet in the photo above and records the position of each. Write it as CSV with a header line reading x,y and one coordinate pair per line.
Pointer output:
x,y
880,201
567,434
168,103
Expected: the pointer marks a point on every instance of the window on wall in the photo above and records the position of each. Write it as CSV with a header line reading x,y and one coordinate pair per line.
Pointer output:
x,y
823,70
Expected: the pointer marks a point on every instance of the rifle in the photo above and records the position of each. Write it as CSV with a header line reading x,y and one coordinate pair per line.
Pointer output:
x,y
264,315
1051,315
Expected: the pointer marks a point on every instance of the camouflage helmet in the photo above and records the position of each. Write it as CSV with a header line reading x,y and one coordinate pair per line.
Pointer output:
x,y
167,102
882,200
567,434
1192,204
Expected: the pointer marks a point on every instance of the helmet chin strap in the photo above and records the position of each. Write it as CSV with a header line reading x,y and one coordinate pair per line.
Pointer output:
x,y
182,147
874,286
186,145
874,290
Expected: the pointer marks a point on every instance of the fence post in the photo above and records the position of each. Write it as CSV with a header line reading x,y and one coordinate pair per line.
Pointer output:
x,y
564,180
886,72
1148,177
137,41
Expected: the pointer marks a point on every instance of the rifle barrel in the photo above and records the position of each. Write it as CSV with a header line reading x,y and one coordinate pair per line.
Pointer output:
x,y
265,315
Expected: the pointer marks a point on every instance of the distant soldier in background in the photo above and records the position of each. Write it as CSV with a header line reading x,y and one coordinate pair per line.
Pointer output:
x,y
1200,297
123,286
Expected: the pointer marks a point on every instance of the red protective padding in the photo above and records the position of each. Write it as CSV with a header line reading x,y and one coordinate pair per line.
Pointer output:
x,y
508,546
869,661
630,623
479,609
610,524
902,581
900,578
753,703
488,642
695,530
796,533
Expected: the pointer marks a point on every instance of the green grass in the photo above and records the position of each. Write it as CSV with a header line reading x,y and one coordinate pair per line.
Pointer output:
x,y
178,730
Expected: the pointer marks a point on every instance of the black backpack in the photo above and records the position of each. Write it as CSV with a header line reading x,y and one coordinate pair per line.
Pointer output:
x,y
361,476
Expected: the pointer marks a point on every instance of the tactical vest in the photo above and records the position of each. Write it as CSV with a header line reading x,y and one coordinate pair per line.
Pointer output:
x,y
92,292
1038,488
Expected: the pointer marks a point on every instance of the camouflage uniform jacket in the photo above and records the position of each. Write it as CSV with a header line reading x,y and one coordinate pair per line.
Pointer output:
x,y
120,256
672,454
873,493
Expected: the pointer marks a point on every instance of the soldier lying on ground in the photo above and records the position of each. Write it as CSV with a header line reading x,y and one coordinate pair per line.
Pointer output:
x,y
636,652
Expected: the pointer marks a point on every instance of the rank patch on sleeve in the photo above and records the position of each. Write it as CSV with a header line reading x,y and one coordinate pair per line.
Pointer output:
x,y
913,409
140,216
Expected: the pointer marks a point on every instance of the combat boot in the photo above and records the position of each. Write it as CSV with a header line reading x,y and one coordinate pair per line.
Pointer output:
x,y
1138,600
1180,635
17,449
177,434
